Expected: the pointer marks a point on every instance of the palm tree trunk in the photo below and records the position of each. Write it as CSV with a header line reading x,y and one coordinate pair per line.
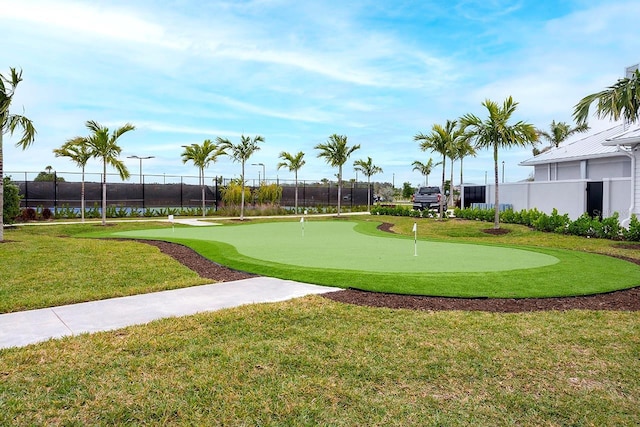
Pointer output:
x,y
368,193
461,183
339,187
104,191
296,195
496,219
444,161
82,204
1,189
242,195
450,198
202,189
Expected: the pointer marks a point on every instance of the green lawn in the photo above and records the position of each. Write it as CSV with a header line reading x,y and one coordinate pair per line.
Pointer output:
x,y
357,255
309,361
43,266
313,361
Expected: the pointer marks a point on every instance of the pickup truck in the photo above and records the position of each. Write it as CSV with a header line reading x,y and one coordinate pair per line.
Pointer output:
x,y
427,198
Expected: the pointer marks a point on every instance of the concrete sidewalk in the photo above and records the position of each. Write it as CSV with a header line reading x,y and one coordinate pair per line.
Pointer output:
x,y
28,327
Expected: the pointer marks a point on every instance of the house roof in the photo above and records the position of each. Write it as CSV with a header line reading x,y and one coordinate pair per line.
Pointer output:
x,y
630,137
580,148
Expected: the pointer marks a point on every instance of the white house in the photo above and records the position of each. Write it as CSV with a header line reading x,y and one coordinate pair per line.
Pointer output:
x,y
598,174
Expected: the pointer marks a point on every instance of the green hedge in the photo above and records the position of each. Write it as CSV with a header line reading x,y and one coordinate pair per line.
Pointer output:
x,y
606,228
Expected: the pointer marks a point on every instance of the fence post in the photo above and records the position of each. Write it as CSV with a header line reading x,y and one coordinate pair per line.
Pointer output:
x,y
26,191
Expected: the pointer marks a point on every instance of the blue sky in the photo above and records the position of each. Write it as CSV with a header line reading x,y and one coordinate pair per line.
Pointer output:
x,y
295,72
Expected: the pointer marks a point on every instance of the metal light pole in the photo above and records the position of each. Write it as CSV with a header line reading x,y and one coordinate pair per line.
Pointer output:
x,y
503,171
141,158
264,174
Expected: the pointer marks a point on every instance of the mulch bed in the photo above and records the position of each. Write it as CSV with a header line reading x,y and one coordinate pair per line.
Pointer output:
x,y
626,300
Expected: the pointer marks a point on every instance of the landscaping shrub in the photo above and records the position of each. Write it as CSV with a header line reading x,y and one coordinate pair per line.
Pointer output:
x,y
633,232
28,214
11,207
46,214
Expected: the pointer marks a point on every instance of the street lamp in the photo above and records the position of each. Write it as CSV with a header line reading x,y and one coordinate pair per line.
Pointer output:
x,y
264,174
141,158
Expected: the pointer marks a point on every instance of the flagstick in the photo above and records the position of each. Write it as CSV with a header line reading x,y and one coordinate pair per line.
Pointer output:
x,y
415,239
302,222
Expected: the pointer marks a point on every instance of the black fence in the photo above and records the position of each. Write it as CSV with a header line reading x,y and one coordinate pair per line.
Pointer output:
x,y
56,194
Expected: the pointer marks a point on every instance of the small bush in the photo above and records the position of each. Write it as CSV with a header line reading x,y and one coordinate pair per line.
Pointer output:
x,y
46,214
633,232
28,214
11,197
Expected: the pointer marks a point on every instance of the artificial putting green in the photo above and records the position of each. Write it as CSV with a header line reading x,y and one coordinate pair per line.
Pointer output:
x,y
355,254
337,245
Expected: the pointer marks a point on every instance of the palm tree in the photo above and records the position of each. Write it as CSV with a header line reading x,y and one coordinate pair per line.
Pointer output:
x,y
424,168
622,100
336,152
368,169
463,148
8,124
495,132
293,163
201,156
77,150
559,132
440,141
241,152
104,146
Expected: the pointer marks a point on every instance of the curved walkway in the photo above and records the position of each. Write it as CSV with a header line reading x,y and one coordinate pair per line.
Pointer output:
x,y
29,327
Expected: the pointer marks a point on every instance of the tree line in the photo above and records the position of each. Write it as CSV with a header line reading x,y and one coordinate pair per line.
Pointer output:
x,y
455,139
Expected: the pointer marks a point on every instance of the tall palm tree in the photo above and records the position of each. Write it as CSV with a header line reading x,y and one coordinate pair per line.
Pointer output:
x,y
463,148
77,150
8,124
495,132
241,152
368,169
424,168
559,132
105,146
440,140
293,163
622,100
336,152
201,156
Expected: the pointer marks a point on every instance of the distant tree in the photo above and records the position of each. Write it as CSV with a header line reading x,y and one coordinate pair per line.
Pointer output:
x,y
425,168
47,177
8,124
77,150
622,100
407,190
241,152
293,163
201,155
368,169
495,132
104,146
559,132
336,152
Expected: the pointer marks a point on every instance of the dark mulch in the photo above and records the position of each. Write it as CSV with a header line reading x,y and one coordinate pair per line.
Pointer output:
x,y
627,300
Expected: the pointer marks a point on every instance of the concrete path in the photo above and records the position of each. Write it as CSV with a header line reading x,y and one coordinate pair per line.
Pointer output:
x,y
28,327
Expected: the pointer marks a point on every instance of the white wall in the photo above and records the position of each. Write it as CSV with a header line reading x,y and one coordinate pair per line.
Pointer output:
x,y
568,197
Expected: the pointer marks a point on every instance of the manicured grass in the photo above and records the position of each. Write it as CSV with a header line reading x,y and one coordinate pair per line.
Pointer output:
x,y
315,362
360,256
42,267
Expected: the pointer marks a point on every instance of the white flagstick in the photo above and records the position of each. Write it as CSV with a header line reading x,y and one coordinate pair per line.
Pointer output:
x,y
172,225
415,239
302,222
